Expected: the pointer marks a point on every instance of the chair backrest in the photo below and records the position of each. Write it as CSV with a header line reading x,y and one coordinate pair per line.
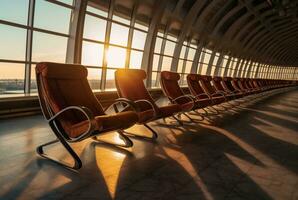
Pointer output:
x,y
194,84
206,84
235,83
228,84
217,83
130,85
241,83
169,82
64,85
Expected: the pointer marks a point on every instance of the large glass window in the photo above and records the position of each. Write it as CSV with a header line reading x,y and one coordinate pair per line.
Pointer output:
x,y
12,43
47,47
14,11
50,33
94,28
51,16
11,78
110,52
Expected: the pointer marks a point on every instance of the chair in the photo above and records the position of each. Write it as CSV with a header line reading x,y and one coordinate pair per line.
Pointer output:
x,y
198,92
205,82
73,112
171,89
131,88
217,83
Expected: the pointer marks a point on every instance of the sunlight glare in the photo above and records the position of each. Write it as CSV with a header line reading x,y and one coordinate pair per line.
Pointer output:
x,y
116,57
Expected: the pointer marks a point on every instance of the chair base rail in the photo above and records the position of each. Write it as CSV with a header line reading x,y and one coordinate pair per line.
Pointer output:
x,y
77,161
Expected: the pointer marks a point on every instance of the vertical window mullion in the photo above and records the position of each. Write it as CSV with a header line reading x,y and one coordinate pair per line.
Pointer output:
x,y
29,39
106,46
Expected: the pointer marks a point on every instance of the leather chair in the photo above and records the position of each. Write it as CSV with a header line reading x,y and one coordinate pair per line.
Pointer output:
x,y
193,81
217,83
131,88
170,86
73,112
205,82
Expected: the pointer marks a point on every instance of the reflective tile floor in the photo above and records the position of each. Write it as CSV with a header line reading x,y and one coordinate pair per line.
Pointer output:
x,y
248,152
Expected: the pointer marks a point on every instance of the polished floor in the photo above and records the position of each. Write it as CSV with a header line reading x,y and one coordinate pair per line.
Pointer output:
x,y
249,152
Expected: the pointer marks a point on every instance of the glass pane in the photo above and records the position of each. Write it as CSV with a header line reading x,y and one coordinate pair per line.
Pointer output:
x,y
94,28
92,54
182,53
12,43
191,54
33,87
158,43
166,63
142,27
204,69
48,47
153,79
94,77
121,19
14,11
188,67
135,59
225,62
12,78
169,48
215,61
155,62
97,11
51,16
180,66
138,40
171,38
212,71
116,57
110,81
206,58
119,34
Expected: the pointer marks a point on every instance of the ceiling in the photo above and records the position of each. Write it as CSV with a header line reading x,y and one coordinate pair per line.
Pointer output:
x,y
261,30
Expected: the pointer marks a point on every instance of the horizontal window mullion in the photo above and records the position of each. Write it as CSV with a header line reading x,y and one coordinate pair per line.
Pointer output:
x,y
113,21
110,44
61,4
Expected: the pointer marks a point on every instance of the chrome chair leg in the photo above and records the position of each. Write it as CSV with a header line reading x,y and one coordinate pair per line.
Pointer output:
x,y
179,121
77,161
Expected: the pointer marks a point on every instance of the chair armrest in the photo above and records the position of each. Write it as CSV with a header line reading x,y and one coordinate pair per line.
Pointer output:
x,y
203,94
125,101
217,93
148,102
88,114
184,96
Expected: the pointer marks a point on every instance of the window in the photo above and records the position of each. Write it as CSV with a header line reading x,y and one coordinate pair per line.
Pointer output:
x,y
47,15
118,62
20,8
47,47
13,43
138,40
92,54
94,28
119,34
110,52
49,40
163,57
11,78
135,59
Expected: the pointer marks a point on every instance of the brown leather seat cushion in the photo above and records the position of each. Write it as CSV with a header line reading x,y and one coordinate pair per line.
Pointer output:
x,y
107,123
